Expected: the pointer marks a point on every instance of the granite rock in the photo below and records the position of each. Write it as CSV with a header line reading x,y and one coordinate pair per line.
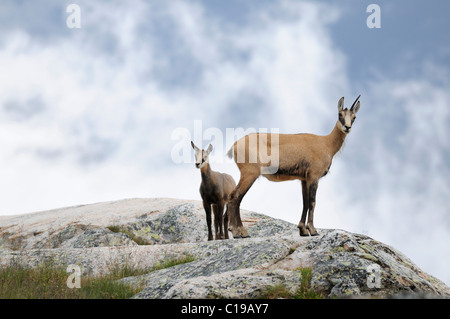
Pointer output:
x,y
145,232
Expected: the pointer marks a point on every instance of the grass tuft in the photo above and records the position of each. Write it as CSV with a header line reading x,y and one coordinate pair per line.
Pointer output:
x,y
47,282
304,291
50,282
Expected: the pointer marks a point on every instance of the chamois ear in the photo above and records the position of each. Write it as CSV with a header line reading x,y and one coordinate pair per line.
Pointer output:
x,y
341,104
356,109
194,147
210,148
355,106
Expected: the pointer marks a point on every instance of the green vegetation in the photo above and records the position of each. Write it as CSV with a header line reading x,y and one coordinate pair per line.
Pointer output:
x,y
137,239
45,282
49,282
166,263
302,292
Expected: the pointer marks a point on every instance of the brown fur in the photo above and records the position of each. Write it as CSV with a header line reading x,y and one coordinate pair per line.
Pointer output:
x,y
305,157
215,189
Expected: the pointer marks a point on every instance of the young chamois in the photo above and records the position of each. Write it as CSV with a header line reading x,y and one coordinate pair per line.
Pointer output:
x,y
304,157
215,190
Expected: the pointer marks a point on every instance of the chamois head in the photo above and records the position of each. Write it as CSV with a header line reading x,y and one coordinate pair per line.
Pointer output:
x,y
346,116
201,156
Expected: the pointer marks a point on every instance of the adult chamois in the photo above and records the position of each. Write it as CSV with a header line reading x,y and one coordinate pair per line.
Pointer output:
x,y
306,157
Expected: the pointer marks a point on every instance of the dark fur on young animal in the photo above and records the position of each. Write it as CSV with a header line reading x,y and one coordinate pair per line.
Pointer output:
x,y
215,190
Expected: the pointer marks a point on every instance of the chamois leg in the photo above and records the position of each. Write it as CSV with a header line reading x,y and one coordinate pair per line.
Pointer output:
x,y
222,229
217,222
233,208
225,224
312,189
301,224
207,208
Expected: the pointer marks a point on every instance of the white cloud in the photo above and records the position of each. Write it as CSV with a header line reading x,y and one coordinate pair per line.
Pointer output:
x,y
98,102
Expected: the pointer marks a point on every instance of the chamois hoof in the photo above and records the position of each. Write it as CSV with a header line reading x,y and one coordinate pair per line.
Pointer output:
x,y
244,233
304,235
312,230
239,236
239,232
303,231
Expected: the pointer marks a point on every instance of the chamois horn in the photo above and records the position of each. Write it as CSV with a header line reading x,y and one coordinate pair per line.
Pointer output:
x,y
355,102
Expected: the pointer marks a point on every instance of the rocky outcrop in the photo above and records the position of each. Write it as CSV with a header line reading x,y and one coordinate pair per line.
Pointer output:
x,y
144,232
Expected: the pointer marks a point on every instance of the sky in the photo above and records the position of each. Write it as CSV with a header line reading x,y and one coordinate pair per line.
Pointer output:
x,y
107,111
